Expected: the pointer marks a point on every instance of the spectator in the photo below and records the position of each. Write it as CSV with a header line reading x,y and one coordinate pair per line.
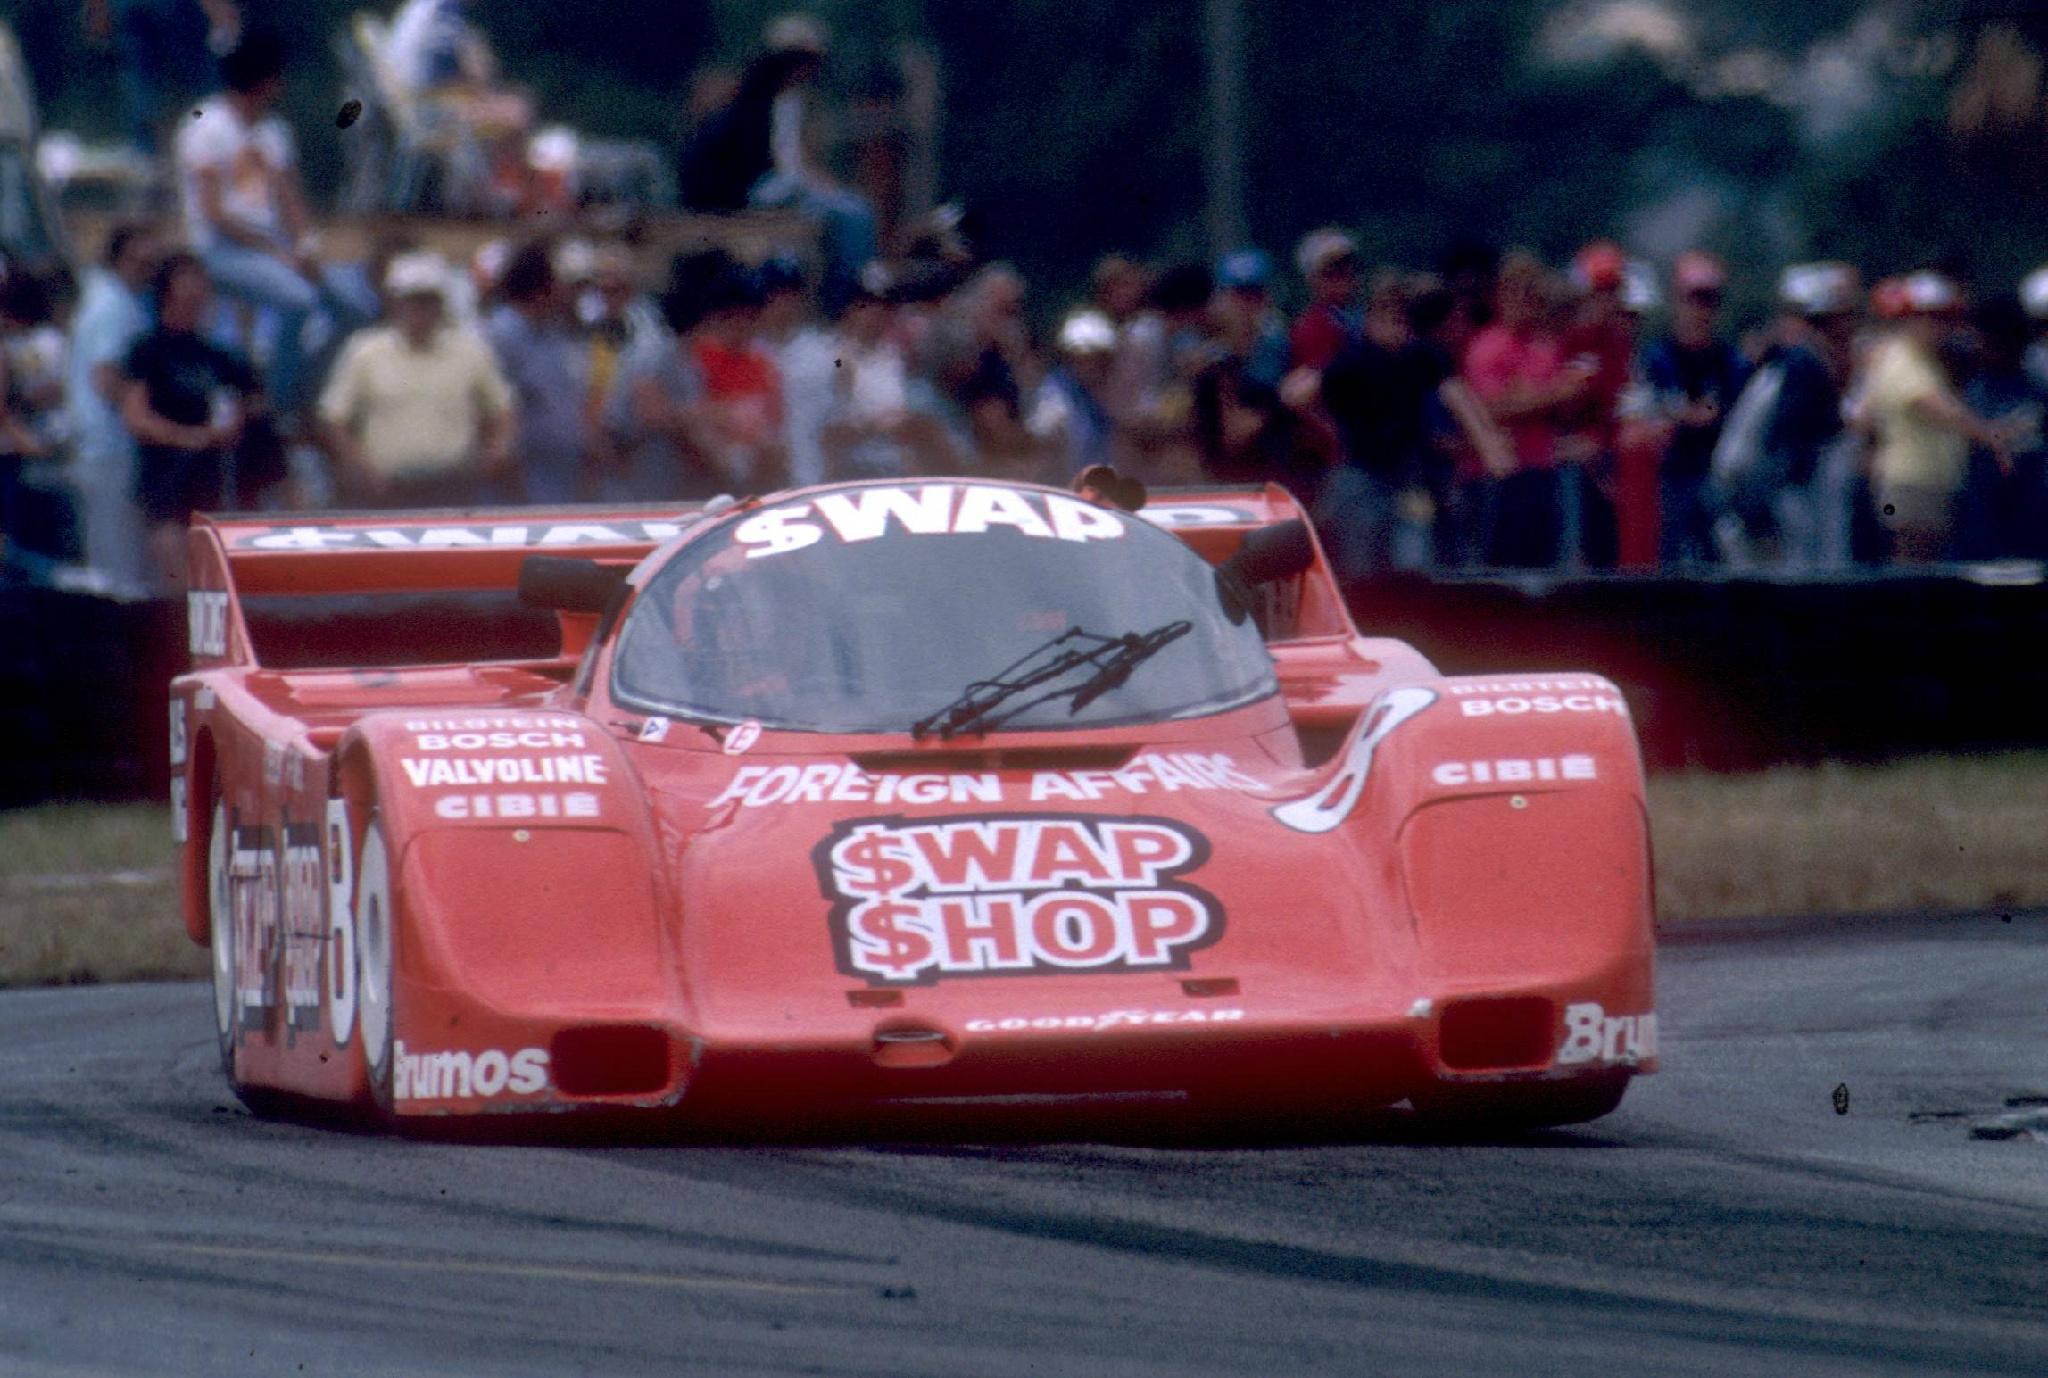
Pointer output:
x,y
2034,297
186,401
1814,460
1244,431
1118,287
549,373
18,440
416,413
1922,428
1694,376
658,411
34,353
111,317
2006,514
1329,263
1378,391
1599,336
807,357
166,50
1244,282
1151,395
743,402
978,353
1068,414
1516,367
245,212
753,152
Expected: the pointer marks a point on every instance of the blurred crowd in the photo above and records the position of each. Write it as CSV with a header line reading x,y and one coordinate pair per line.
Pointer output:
x,y
1497,411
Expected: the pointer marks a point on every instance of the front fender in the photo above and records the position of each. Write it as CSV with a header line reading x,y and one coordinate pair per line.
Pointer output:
x,y
1513,810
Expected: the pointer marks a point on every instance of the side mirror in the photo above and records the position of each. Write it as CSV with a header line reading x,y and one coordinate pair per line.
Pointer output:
x,y
567,584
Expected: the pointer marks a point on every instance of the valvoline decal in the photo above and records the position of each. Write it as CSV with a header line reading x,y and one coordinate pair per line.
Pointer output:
x,y
918,900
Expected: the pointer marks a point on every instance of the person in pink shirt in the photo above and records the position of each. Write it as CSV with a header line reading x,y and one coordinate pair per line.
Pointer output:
x,y
1517,367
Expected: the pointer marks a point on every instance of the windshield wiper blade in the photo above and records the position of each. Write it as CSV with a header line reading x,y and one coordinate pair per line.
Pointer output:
x,y
1114,657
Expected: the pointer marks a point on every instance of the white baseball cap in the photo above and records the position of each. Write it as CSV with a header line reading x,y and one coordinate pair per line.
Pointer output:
x,y
421,273
2034,293
1819,289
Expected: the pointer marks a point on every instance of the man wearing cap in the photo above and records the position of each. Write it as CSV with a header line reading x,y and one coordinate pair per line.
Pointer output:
x,y
416,413
1330,265
1921,427
1695,376
1244,282
1813,459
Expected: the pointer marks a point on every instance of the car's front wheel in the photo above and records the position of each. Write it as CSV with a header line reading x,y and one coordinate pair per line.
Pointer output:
x,y
376,949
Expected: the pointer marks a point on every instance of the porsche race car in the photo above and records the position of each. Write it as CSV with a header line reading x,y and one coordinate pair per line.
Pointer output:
x,y
904,793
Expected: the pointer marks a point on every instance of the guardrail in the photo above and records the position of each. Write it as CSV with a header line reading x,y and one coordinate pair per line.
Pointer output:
x,y
1724,672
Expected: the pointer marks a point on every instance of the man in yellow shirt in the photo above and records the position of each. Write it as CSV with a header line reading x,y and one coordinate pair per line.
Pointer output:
x,y
416,413
1921,429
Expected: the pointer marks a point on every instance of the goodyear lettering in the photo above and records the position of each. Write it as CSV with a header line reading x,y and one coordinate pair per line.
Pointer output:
x,y
463,1075
915,900
1518,704
1535,770
1097,1023
587,769
1593,1035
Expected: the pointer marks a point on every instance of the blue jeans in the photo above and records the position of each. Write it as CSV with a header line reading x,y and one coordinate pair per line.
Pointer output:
x,y
1687,536
846,228
1355,518
269,283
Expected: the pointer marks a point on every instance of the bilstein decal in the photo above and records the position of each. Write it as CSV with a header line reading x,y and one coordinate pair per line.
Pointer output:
x,y
915,901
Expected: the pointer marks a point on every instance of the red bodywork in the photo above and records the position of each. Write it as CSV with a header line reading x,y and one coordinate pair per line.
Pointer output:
x,y
1380,883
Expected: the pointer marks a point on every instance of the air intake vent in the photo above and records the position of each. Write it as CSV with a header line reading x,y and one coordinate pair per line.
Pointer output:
x,y
610,1060
1498,1035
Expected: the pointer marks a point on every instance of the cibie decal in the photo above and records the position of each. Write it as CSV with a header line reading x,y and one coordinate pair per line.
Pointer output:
x,y
742,738
915,901
1332,804
465,1075
1517,771
928,509
1593,1035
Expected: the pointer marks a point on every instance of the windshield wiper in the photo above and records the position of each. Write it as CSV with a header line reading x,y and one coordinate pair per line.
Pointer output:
x,y
1112,657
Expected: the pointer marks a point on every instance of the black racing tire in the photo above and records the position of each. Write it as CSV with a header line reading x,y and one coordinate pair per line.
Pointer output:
x,y
376,944
1519,1107
220,932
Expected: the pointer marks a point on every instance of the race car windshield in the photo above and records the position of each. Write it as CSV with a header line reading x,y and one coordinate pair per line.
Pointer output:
x,y
868,609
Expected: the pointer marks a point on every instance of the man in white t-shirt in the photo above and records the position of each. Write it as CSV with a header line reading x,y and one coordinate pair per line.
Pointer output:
x,y
238,179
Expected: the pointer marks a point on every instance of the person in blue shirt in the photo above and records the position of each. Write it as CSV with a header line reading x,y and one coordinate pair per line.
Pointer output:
x,y
112,315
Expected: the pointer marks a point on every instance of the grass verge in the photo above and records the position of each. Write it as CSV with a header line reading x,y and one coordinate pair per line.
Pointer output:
x,y
87,892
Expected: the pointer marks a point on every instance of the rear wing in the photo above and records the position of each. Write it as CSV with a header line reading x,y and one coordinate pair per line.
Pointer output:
x,y
258,580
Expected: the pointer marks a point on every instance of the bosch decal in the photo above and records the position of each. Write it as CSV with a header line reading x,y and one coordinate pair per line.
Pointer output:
x,y
918,900
1514,705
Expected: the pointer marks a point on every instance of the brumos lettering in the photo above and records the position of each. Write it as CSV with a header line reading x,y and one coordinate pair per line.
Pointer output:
x,y
931,509
1593,1035
1167,772
1098,1023
1515,772
206,622
1518,704
465,1075
454,537
1020,894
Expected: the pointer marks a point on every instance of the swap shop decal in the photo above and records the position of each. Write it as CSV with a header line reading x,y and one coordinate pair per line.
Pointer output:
x,y
918,900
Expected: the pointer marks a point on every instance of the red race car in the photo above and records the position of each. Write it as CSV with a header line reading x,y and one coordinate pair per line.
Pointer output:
x,y
939,793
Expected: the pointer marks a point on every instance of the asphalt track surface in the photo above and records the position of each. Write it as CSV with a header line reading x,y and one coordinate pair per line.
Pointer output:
x,y
1726,1220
